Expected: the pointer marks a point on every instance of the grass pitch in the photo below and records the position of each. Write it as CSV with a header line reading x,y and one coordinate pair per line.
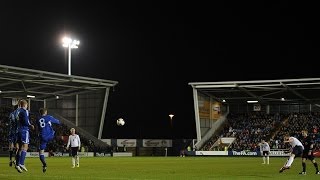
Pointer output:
x,y
152,168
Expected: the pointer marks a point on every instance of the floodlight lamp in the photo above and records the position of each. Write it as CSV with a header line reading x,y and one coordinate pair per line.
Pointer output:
x,y
76,42
252,101
66,41
171,116
70,44
73,46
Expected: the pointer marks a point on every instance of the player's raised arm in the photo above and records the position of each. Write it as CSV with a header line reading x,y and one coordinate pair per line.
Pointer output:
x,y
54,120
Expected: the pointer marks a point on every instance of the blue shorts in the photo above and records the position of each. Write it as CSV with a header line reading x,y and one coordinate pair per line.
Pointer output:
x,y
44,141
24,136
12,138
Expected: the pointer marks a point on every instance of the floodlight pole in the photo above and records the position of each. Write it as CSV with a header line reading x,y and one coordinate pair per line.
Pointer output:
x,y
69,59
69,43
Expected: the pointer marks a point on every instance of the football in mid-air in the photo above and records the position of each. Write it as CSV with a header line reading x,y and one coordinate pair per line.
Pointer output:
x,y
120,122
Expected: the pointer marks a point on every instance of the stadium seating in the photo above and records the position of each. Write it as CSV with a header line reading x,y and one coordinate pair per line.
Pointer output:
x,y
250,128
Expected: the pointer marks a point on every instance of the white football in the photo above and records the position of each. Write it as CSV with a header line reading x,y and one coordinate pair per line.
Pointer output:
x,y
120,122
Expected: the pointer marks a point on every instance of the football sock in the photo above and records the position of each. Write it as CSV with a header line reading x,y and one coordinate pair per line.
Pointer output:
x,y
10,154
17,158
290,161
73,161
77,160
316,166
303,166
23,157
41,156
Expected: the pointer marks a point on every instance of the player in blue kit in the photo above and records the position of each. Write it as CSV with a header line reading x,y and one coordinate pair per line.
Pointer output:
x,y
24,126
46,133
12,136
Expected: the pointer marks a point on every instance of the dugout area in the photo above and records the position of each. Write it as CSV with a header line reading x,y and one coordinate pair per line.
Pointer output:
x,y
77,101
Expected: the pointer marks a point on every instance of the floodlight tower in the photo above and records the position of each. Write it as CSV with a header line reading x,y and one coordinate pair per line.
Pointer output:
x,y
70,44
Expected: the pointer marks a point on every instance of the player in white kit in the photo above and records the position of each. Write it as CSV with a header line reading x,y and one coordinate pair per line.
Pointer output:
x,y
75,143
296,151
265,151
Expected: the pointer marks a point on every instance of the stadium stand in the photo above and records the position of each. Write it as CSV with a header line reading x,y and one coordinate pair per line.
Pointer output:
x,y
254,110
77,101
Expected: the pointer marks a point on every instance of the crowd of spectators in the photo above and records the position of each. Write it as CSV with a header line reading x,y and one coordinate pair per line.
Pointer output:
x,y
294,124
250,128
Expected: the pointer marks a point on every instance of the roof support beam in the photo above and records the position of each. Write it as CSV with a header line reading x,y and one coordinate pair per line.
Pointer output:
x,y
251,94
294,92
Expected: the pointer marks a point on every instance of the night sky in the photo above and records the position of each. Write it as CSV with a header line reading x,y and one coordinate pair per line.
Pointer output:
x,y
154,49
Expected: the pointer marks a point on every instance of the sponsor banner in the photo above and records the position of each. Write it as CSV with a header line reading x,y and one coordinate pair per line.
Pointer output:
x,y
60,154
216,109
156,143
122,154
204,107
273,152
243,153
211,153
36,154
81,154
127,142
107,141
85,154
103,155
278,152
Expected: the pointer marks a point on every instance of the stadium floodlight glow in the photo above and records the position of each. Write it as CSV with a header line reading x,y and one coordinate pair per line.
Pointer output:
x,y
30,96
70,44
252,101
171,116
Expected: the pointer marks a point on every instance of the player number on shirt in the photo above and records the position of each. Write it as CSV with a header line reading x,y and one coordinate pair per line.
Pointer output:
x,y
42,123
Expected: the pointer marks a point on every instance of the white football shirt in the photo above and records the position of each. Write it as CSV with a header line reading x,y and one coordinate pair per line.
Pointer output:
x,y
74,140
